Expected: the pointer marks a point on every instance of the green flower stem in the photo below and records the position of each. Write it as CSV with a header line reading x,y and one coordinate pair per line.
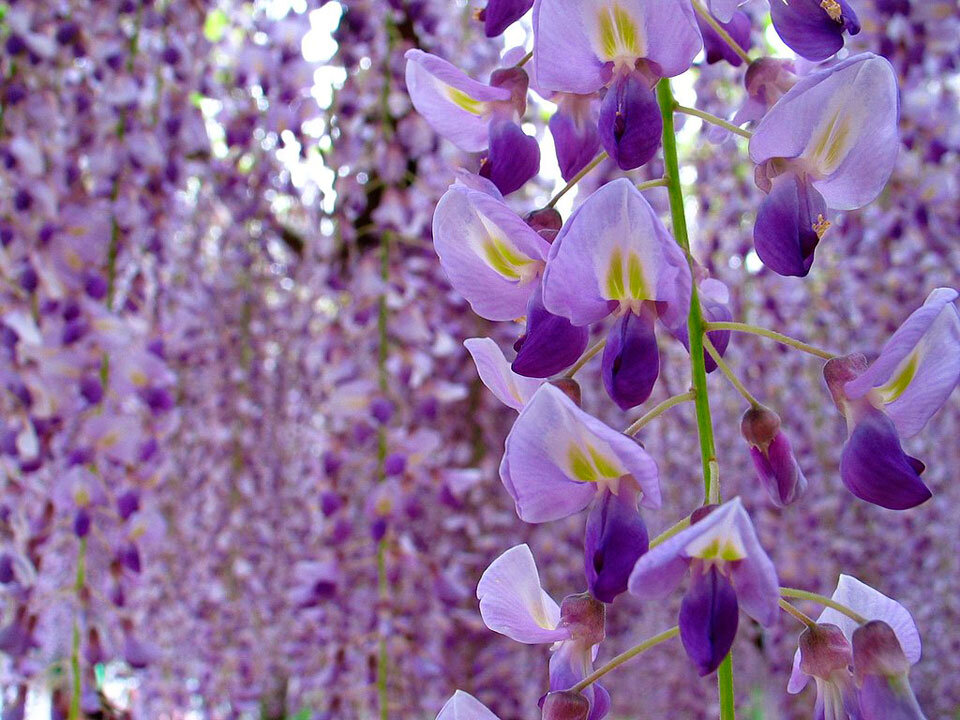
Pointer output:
x,y
525,59
588,354
659,182
695,331
719,29
624,656
798,614
78,584
670,532
577,178
731,376
714,120
823,600
659,410
773,335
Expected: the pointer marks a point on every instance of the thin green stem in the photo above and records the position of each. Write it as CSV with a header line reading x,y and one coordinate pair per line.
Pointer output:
x,y
670,532
383,660
525,59
720,30
713,120
577,178
624,656
725,369
797,613
659,182
823,600
78,584
779,337
695,331
658,410
588,354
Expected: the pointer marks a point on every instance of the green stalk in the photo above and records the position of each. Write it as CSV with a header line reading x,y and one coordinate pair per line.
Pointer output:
x,y
695,330
78,584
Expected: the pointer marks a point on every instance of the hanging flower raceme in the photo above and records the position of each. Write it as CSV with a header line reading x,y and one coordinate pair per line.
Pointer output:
x,y
490,255
814,28
477,117
729,571
513,603
829,142
558,458
624,46
615,256
880,653
913,376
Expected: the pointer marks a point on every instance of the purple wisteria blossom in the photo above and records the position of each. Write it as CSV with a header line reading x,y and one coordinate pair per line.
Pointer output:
x,y
814,29
829,142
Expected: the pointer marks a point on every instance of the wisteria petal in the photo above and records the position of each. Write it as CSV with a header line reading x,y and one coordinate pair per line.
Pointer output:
x,y
631,359
919,366
614,250
556,456
810,29
489,254
779,472
842,125
498,15
513,603
630,123
723,10
513,158
464,706
508,387
874,467
615,537
785,234
550,343
716,48
575,136
562,55
455,105
708,620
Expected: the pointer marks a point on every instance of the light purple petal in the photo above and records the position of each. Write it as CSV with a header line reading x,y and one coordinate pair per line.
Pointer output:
x,y
464,706
557,456
509,388
841,125
455,105
723,10
513,603
919,366
489,254
614,250
562,55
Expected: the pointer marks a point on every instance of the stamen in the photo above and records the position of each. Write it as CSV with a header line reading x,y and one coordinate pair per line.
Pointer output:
x,y
833,9
821,226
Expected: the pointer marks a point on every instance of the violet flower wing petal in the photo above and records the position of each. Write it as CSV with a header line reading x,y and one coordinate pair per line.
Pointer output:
x,y
708,620
631,359
508,387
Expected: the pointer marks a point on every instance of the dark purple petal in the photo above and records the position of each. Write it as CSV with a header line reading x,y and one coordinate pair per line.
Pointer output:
x,y
630,124
708,619
717,48
513,157
631,359
615,537
875,468
789,226
576,142
814,28
550,344
779,472
501,14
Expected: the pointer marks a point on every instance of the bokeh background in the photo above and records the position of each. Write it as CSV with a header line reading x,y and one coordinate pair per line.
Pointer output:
x,y
244,456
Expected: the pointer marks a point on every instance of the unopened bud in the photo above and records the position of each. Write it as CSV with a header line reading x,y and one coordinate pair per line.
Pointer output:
x,y
823,650
565,705
570,388
759,426
585,616
546,221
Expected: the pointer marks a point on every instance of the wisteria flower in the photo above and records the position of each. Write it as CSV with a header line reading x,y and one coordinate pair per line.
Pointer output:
x,y
834,689
490,255
772,456
829,142
625,47
508,387
558,458
814,28
729,571
614,256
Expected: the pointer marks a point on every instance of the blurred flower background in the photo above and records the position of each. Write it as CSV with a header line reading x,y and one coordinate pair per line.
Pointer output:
x,y
247,467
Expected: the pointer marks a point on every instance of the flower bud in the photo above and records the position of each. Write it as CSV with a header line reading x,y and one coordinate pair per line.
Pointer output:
x,y
570,388
546,221
565,705
823,650
881,670
585,616
772,456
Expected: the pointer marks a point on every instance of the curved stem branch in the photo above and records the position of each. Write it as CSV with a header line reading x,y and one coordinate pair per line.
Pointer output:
x,y
798,614
670,532
823,600
720,30
624,656
577,178
773,335
670,402
714,120
725,369
525,59
659,182
588,354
